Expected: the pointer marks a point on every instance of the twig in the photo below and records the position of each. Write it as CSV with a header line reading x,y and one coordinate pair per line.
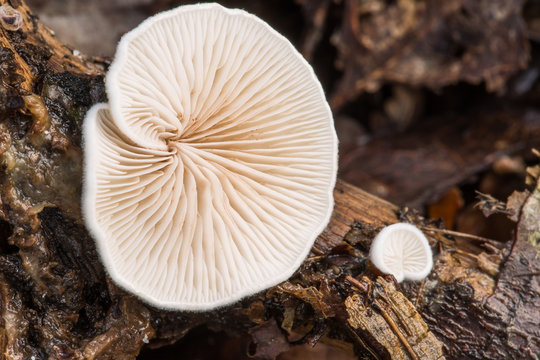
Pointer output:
x,y
419,292
396,331
462,235
356,283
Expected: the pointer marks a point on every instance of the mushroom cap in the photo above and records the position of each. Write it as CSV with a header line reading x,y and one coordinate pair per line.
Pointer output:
x,y
209,174
402,250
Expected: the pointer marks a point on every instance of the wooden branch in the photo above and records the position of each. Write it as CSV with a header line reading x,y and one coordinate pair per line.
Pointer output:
x,y
57,302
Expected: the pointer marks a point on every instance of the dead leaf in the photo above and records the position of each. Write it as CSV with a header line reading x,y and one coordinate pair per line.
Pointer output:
x,y
269,341
428,43
310,295
447,207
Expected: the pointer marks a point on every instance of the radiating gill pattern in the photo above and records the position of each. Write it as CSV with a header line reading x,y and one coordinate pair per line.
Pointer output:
x,y
202,225
227,69
214,174
405,253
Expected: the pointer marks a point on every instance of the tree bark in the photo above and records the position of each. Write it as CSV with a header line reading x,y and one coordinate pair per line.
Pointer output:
x,y
56,301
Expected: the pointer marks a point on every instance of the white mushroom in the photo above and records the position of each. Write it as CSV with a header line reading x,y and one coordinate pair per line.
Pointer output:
x,y
402,250
212,174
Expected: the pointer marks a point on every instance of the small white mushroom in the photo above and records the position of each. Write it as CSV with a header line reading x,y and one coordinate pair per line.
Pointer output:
x,y
209,174
402,250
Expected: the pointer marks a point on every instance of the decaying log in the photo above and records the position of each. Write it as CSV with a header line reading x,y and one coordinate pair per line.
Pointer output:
x,y
481,301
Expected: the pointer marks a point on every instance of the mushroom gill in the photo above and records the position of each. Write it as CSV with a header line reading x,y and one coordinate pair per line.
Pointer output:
x,y
209,174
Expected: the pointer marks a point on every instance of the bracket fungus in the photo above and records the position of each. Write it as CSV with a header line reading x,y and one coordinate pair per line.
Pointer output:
x,y
402,250
209,174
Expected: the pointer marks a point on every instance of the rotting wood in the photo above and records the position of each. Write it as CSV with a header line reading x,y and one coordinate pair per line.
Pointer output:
x,y
56,301
392,321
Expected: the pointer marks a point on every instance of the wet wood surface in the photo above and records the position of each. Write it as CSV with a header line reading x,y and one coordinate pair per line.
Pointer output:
x,y
56,301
